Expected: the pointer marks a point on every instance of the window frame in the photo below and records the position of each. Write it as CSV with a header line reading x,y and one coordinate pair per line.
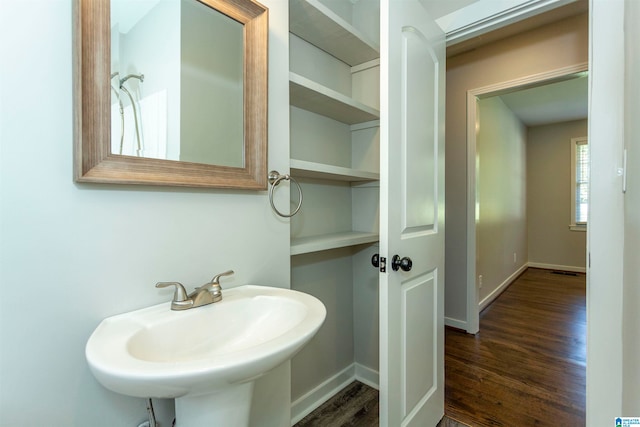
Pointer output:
x,y
576,225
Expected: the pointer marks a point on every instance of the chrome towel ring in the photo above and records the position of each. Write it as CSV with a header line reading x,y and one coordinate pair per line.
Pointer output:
x,y
274,179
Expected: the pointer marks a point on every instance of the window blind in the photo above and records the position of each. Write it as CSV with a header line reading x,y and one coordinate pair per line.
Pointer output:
x,y
582,181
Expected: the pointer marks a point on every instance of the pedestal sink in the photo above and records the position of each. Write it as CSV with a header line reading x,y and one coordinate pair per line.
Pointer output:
x,y
207,358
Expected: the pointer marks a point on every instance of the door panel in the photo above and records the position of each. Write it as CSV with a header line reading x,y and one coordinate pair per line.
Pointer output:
x,y
411,216
419,119
419,338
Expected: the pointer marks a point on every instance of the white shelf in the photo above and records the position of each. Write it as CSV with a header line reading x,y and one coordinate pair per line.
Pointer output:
x,y
317,24
324,242
305,169
314,97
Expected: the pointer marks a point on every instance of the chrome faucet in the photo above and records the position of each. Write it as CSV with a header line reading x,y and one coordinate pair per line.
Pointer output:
x,y
206,294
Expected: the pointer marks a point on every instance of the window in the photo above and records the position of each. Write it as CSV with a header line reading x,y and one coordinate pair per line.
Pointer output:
x,y
579,183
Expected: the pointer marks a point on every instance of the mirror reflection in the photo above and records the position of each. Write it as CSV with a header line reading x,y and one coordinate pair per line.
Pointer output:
x,y
176,82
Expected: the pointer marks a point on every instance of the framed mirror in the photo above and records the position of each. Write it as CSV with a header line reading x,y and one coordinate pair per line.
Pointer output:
x,y
205,126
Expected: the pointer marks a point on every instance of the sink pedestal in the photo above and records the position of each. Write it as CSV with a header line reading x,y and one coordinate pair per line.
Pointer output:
x,y
227,407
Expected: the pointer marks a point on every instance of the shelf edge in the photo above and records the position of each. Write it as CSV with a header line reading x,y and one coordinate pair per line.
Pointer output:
x,y
332,241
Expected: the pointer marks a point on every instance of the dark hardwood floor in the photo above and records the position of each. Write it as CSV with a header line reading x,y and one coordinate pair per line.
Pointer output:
x,y
527,366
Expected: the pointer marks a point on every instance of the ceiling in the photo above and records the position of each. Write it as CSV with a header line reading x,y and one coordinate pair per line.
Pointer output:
x,y
437,9
552,103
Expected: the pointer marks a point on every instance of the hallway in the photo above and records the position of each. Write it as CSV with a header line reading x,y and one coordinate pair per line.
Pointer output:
x,y
527,365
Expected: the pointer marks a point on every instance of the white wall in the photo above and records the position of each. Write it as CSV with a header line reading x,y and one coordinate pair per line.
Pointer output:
x,y
74,254
606,236
328,276
540,50
551,243
631,318
501,220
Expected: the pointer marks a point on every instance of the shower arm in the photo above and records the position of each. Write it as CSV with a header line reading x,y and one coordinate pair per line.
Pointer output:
x,y
129,76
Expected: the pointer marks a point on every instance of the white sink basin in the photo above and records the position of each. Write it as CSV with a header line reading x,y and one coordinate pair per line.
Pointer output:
x,y
210,350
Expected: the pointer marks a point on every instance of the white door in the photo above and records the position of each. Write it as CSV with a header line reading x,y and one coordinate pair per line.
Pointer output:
x,y
412,71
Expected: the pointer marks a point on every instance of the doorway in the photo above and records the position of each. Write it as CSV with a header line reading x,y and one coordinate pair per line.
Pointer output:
x,y
477,300
499,220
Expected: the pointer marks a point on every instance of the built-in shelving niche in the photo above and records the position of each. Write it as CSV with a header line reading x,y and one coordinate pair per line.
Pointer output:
x,y
334,97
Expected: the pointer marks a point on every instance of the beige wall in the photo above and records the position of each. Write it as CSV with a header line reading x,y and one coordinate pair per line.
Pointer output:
x,y
551,243
501,226
547,48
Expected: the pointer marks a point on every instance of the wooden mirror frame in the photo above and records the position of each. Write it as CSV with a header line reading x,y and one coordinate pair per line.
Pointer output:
x,y
93,161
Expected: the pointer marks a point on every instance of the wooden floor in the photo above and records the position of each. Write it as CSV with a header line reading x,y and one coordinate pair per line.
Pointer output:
x,y
355,406
527,366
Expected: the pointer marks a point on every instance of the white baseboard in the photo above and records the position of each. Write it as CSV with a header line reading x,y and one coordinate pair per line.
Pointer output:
x,y
455,323
367,376
307,403
558,267
496,292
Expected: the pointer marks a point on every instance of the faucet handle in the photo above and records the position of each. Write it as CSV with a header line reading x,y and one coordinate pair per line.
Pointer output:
x,y
216,278
179,295
214,286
